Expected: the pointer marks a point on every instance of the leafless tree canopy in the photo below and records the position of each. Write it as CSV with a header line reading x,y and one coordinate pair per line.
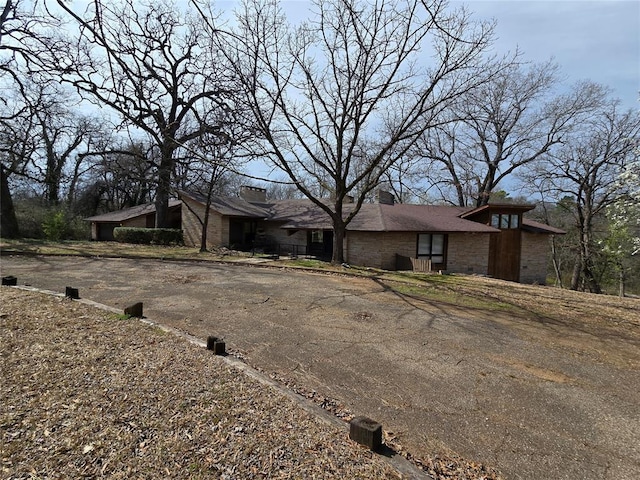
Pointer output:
x,y
586,169
497,128
154,67
341,97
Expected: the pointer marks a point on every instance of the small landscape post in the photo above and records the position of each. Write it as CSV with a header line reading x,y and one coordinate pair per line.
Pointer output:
x,y
366,432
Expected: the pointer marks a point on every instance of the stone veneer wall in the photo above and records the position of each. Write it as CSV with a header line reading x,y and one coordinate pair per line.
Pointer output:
x,y
217,230
534,258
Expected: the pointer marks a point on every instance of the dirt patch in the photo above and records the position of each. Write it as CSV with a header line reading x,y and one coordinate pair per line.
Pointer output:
x,y
535,394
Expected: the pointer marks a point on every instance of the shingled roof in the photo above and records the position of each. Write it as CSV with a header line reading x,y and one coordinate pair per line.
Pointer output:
x,y
229,206
414,218
128,213
303,214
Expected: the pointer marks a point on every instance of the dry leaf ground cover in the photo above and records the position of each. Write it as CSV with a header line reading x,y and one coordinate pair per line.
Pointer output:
x,y
85,393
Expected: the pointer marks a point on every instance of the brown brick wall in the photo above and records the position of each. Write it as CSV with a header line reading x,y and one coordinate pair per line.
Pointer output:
x,y
379,249
468,253
136,222
534,258
217,231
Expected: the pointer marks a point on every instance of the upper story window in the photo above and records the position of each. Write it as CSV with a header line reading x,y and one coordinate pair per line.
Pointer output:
x,y
505,221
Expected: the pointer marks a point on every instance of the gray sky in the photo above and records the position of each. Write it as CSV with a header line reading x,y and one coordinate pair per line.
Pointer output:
x,y
597,40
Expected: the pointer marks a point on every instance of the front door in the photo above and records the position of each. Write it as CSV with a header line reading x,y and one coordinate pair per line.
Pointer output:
x,y
241,234
320,243
504,255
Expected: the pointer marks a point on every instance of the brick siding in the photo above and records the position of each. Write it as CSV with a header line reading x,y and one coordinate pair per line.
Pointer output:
x,y
534,258
468,253
217,230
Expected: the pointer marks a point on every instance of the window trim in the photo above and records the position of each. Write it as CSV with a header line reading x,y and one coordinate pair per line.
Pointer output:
x,y
431,254
505,221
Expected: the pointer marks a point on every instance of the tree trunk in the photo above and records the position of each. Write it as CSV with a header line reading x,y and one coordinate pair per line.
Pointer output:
x,y
575,277
556,262
163,189
339,231
592,282
207,209
205,225
622,280
8,221
587,265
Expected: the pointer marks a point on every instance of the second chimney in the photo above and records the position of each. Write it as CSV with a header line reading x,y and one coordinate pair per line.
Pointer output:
x,y
385,198
253,194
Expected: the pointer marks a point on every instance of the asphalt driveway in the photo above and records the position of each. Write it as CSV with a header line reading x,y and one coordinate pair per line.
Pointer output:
x,y
492,388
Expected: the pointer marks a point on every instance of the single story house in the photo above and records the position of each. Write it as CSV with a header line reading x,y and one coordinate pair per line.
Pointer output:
x,y
141,216
494,240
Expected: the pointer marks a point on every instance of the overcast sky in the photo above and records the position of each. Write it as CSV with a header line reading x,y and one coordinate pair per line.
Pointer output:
x,y
590,39
598,40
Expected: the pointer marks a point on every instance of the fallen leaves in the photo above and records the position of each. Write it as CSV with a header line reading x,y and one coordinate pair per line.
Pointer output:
x,y
85,395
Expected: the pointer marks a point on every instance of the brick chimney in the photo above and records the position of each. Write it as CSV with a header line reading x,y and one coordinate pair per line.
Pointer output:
x,y
253,194
384,197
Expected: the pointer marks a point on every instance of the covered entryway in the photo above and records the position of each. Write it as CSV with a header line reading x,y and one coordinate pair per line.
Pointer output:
x,y
104,231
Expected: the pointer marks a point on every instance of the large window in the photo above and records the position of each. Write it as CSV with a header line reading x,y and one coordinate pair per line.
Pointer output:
x,y
432,246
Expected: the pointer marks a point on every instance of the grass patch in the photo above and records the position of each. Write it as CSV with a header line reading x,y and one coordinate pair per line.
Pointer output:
x,y
101,249
308,263
434,291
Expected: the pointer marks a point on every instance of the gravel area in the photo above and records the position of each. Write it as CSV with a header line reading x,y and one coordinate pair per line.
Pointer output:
x,y
86,393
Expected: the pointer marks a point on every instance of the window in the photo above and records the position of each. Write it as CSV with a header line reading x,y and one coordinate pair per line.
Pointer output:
x,y
505,221
317,236
432,246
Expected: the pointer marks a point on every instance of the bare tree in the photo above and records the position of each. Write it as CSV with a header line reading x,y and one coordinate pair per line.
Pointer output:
x,y
62,137
26,37
17,130
154,67
46,141
499,127
216,158
23,39
121,176
587,168
343,96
